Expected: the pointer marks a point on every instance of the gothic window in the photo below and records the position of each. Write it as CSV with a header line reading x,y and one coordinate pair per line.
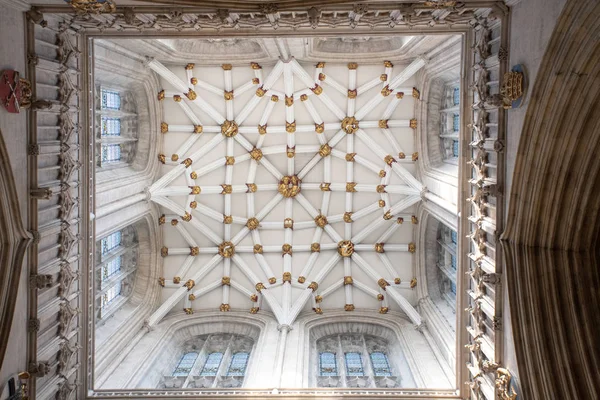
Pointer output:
x,y
362,360
380,363
211,366
116,257
450,123
354,365
185,364
447,263
116,119
238,364
327,364
221,361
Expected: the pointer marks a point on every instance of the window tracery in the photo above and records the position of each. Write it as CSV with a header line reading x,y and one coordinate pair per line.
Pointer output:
x,y
116,118
447,242
354,360
219,360
116,258
450,123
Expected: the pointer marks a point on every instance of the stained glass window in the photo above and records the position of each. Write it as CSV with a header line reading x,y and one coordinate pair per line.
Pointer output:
x,y
453,237
455,148
237,366
327,364
111,100
453,287
185,364
453,262
111,268
456,96
354,365
111,294
381,366
110,242
111,126
455,122
111,153
211,366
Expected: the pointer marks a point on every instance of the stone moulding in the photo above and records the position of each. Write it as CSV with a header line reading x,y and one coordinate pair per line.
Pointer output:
x,y
378,19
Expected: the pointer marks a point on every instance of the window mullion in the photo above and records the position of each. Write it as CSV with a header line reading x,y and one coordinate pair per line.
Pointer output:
x,y
366,362
341,363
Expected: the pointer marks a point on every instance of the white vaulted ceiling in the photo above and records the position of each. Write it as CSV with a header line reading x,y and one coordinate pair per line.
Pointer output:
x,y
235,134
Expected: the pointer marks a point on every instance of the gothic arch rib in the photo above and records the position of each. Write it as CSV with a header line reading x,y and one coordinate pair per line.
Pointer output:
x,y
14,240
555,205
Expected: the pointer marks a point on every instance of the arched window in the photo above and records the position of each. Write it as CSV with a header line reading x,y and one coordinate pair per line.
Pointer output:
x,y
222,361
185,364
116,258
211,366
447,242
450,123
237,366
354,371
116,118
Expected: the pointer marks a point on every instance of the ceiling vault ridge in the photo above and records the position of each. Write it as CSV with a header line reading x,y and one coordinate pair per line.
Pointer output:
x,y
287,187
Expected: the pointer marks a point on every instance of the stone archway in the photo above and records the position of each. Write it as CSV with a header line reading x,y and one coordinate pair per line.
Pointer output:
x,y
14,240
553,223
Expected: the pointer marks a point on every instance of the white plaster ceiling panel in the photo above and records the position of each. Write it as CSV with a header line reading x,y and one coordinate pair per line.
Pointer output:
x,y
288,187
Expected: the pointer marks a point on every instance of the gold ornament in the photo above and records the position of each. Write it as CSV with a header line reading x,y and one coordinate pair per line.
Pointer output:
x,y
177,98
188,311
400,220
187,217
351,187
313,286
164,127
191,95
383,123
195,189
315,247
325,187
380,297
227,219
174,222
318,310
382,173
386,91
226,67
260,92
229,128
198,128
226,249
224,307
254,297
413,283
381,203
176,280
414,219
161,282
388,215
413,123
258,249
383,310
383,77
252,223
352,93
228,95
389,160
397,281
255,81
352,65
301,279
274,98
162,158
254,310
191,297
411,247
189,284
289,100
289,186
252,188
416,93
321,220
303,97
272,280
190,66
320,128
350,125
174,157
324,150
401,155
286,249
318,298
348,280
291,152
322,76
345,248
290,127
320,64
260,286
93,6
350,157
349,307
194,81
256,154
161,219
262,129
288,223
227,189
415,156
388,64
194,251
379,247
225,281
229,160
317,90
287,277
164,251
400,95
255,65
380,189
382,283
193,204
161,95
348,217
